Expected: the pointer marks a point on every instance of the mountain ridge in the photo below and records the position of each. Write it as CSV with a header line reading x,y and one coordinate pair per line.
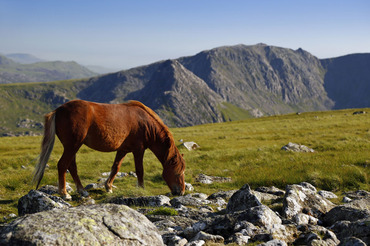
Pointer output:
x,y
222,84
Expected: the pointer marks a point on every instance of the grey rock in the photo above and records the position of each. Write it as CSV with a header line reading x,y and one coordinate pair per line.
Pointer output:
x,y
240,239
222,194
36,201
189,187
151,201
242,199
206,179
359,229
274,242
90,225
303,197
208,237
327,194
352,241
271,190
189,200
297,148
343,212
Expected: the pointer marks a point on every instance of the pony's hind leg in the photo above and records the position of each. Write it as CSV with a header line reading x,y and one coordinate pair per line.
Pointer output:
x,y
73,170
63,164
114,170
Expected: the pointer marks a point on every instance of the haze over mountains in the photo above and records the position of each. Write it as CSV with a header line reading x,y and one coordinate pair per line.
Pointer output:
x,y
224,83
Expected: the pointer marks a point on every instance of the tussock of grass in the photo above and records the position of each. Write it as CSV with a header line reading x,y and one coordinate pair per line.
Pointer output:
x,y
248,151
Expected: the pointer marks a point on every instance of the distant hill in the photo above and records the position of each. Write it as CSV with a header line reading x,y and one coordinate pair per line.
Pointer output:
x,y
221,84
14,72
24,58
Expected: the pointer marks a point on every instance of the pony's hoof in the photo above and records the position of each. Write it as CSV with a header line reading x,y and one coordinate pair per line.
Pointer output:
x,y
109,190
66,197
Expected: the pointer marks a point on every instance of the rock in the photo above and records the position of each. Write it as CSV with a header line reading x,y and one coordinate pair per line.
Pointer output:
x,y
190,145
316,235
189,200
52,189
303,219
347,199
265,197
240,239
174,240
327,194
359,112
107,224
206,237
36,201
359,229
189,187
242,199
274,242
303,198
151,201
205,179
352,241
297,148
344,212
359,194
222,194
260,216
271,190
196,243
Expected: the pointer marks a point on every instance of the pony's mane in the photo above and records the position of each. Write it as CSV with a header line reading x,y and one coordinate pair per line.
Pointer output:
x,y
172,151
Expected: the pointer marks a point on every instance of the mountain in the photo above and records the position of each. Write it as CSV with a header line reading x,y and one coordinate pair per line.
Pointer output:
x,y
13,72
24,58
347,80
221,84
100,70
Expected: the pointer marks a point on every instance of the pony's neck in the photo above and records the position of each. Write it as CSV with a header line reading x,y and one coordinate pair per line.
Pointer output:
x,y
163,146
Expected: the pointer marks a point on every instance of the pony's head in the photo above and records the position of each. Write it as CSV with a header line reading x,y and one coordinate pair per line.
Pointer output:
x,y
173,174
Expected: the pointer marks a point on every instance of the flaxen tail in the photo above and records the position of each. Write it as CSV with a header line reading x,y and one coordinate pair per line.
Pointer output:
x,y
46,148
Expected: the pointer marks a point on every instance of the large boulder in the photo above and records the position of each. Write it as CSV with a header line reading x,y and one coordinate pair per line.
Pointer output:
x,y
304,198
37,201
107,224
242,199
150,201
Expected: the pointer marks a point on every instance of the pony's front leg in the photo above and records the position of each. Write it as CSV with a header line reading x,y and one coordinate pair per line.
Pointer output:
x,y
139,169
115,168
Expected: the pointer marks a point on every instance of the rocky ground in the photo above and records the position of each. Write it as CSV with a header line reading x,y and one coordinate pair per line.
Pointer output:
x,y
300,215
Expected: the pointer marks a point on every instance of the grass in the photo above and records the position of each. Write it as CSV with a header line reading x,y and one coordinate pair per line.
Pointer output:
x,y
248,151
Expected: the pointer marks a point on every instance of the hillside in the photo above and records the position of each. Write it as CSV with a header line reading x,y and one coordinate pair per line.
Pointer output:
x,y
221,84
13,72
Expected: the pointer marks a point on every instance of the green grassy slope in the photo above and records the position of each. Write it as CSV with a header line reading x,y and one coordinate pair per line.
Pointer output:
x,y
248,151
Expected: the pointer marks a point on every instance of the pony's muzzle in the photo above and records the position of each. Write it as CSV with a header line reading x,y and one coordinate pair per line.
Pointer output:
x,y
177,191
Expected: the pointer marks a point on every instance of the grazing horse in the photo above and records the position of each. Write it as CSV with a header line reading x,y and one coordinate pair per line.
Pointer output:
x,y
126,127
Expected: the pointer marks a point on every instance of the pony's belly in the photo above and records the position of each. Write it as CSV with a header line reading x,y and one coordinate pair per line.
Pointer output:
x,y
103,144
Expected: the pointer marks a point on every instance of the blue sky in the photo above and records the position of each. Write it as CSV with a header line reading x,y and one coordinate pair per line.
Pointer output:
x,y
123,34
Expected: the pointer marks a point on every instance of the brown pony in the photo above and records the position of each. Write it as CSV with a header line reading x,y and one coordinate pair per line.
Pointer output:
x,y
127,127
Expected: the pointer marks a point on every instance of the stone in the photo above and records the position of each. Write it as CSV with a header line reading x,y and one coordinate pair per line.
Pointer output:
x,y
242,199
206,237
174,240
327,194
297,148
206,179
222,194
359,229
352,241
274,242
190,145
188,200
303,219
303,197
344,212
271,190
106,224
36,201
240,239
189,187
196,243
260,216
150,201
